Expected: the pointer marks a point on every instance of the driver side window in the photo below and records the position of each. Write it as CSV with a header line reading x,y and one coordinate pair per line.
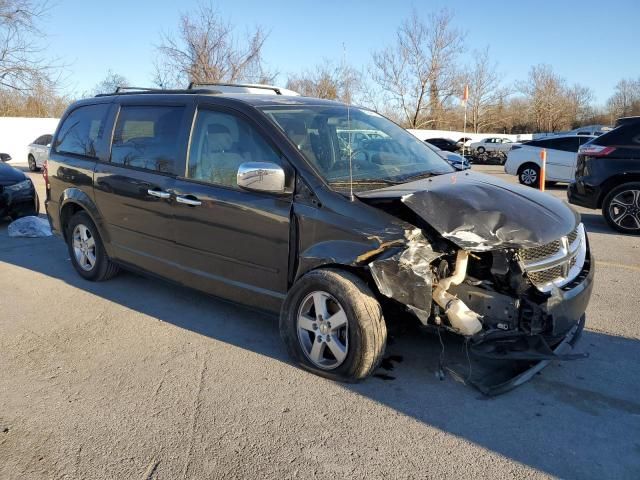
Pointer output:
x,y
220,143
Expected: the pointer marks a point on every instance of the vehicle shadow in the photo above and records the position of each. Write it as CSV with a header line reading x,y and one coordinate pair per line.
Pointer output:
x,y
576,420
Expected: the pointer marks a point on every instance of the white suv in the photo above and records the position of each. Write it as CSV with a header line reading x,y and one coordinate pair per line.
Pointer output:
x,y
524,160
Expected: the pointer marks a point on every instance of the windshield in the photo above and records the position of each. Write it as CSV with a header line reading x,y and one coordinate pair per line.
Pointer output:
x,y
380,151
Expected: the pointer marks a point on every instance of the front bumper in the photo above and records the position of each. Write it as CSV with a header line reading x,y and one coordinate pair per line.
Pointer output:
x,y
505,360
19,203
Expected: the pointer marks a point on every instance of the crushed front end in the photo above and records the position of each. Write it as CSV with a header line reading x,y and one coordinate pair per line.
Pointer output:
x,y
517,308
505,266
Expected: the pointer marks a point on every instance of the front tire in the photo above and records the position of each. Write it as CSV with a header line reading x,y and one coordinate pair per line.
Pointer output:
x,y
87,251
621,208
481,150
529,175
332,325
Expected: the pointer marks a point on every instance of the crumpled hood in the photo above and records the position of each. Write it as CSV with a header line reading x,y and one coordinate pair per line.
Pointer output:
x,y
478,212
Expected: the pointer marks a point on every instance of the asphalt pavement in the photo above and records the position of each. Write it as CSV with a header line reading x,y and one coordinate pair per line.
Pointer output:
x,y
136,378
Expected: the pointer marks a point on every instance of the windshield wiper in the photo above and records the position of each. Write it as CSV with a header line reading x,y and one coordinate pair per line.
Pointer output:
x,y
415,176
365,181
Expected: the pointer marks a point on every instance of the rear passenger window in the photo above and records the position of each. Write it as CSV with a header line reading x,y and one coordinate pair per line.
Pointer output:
x,y
568,144
147,137
220,143
82,130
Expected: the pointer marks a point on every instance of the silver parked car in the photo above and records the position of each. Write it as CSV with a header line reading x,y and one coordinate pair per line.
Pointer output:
x,y
38,152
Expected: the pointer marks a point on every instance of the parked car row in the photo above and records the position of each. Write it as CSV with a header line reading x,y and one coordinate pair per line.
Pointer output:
x,y
603,171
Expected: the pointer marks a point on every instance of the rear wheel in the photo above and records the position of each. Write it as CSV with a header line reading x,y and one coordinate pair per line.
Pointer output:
x,y
87,251
333,326
621,208
481,150
529,175
32,163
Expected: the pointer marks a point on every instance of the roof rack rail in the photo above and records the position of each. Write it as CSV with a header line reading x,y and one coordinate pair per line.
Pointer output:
x,y
123,88
146,90
277,90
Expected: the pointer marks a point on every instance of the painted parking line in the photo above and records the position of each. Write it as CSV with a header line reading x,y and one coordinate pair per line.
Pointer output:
x,y
635,268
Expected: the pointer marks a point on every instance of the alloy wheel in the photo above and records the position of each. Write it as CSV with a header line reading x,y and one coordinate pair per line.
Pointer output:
x,y
529,176
323,332
84,247
624,209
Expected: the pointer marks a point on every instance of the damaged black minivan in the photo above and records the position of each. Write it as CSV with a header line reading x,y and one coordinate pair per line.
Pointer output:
x,y
330,214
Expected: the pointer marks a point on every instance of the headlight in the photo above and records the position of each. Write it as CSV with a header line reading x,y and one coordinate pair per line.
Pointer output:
x,y
17,187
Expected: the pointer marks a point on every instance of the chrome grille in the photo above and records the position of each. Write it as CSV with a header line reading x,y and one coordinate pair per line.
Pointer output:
x,y
544,277
536,253
556,263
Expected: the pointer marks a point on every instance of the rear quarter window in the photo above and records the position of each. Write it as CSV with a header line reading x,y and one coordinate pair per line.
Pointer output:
x,y
81,130
624,135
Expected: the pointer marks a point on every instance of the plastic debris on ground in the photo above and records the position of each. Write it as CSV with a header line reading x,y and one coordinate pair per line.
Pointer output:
x,y
32,227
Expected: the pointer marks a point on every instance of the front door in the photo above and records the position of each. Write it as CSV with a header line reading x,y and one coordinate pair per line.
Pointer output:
x,y
133,189
233,243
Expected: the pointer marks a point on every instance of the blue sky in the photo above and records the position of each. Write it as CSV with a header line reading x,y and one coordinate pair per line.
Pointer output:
x,y
588,42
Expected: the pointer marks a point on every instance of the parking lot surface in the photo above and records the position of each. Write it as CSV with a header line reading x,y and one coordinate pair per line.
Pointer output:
x,y
136,378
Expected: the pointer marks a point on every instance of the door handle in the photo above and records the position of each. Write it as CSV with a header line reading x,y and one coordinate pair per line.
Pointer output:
x,y
188,200
158,193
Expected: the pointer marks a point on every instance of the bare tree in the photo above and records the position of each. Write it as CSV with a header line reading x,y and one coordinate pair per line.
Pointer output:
x,y
579,104
327,81
418,72
625,100
545,91
110,83
22,62
207,50
39,101
485,94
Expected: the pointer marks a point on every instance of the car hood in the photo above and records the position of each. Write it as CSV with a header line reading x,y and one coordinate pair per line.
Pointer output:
x,y
478,212
10,175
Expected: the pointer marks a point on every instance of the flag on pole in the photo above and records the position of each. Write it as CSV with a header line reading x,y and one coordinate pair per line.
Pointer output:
x,y
465,96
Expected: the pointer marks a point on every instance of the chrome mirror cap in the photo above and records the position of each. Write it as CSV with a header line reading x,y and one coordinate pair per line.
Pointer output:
x,y
261,177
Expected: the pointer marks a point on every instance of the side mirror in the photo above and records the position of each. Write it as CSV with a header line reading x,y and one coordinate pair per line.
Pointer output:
x,y
261,177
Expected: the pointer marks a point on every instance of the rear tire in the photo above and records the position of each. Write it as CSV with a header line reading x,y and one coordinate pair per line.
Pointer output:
x,y
87,251
529,175
33,167
621,208
481,150
358,332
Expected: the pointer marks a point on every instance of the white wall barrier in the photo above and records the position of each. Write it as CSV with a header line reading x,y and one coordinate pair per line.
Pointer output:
x,y
16,133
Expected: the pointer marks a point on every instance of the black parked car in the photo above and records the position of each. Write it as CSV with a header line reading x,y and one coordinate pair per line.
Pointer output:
x,y
608,176
261,199
18,196
445,144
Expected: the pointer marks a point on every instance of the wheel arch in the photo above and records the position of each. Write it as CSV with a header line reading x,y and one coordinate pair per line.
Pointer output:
x,y
74,200
616,181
